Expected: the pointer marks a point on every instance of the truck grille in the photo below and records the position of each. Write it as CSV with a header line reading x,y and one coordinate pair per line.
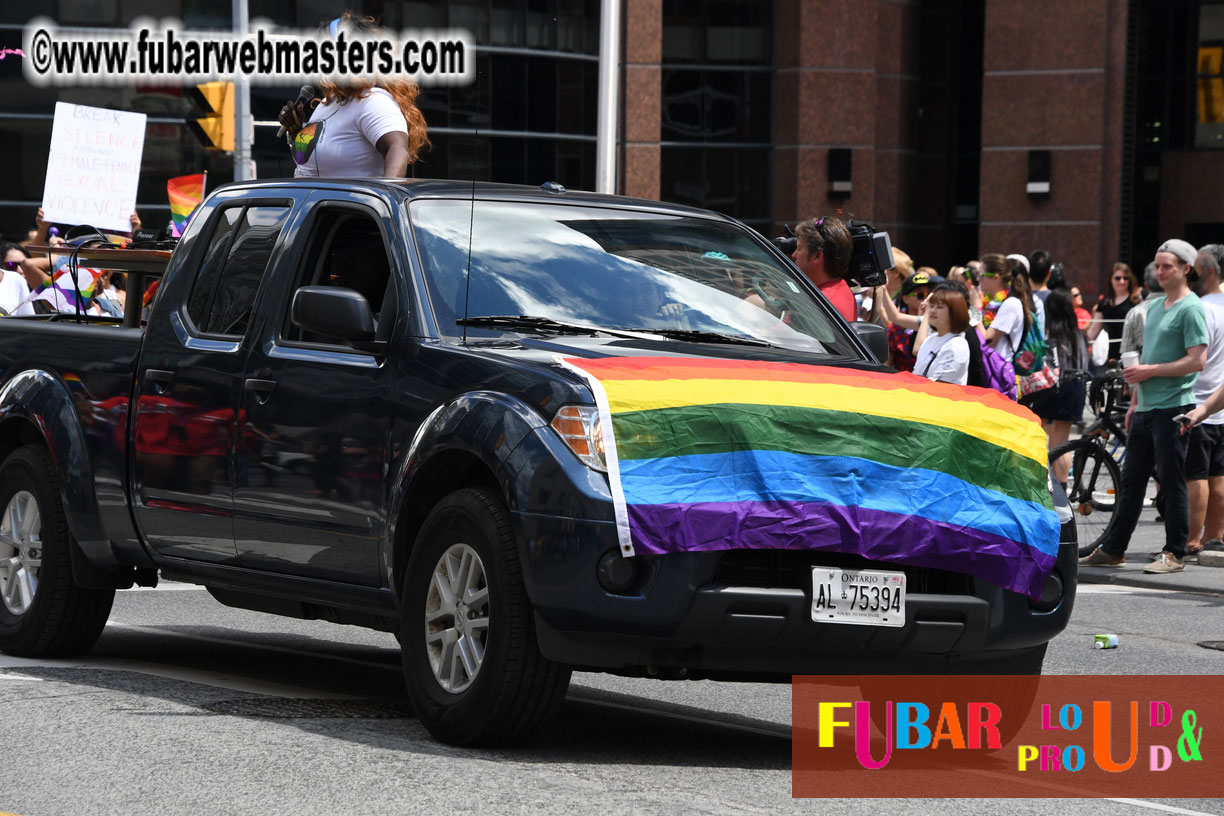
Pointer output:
x,y
792,569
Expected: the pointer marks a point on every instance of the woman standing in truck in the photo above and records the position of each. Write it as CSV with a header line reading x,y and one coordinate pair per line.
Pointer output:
x,y
359,129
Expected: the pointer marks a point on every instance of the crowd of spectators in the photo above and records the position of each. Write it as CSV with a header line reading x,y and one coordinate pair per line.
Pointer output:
x,y
38,282
973,325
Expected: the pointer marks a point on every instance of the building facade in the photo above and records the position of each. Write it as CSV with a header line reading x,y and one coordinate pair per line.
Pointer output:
x,y
1090,128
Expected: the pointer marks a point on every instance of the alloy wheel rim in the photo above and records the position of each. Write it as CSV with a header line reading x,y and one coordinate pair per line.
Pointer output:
x,y
457,618
20,552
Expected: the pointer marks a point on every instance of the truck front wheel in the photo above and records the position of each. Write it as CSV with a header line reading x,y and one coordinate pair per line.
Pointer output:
x,y
43,613
472,666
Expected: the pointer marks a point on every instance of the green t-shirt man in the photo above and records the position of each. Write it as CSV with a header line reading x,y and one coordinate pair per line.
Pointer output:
x,y
1166,336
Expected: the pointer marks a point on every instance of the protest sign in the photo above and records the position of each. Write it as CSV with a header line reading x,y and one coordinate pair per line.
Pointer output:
x,y
93,167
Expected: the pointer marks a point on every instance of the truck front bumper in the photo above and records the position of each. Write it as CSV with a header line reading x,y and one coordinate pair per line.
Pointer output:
x,y
747,614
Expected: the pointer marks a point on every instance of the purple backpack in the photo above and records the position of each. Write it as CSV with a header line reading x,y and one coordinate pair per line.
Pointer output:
x,y
1000,373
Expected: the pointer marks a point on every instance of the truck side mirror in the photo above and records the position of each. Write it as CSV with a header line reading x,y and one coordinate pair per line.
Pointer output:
x,y
335,312
874,337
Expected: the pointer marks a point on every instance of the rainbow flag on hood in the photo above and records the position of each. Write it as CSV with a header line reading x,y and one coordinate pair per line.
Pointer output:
x,y
727,454
185,193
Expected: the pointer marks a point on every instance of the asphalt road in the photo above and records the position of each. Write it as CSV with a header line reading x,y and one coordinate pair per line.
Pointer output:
x,y
188,707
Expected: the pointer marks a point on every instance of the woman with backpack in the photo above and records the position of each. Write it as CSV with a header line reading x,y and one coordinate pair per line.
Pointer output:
x,y
1013,319
1062,405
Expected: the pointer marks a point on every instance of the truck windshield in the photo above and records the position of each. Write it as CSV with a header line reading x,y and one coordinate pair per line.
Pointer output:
x,y
568,267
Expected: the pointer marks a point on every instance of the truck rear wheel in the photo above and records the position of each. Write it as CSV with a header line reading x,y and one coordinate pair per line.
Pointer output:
x,y
472,666
43,613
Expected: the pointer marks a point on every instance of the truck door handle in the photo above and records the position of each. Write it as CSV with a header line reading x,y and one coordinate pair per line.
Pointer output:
x,y
262,388
160,381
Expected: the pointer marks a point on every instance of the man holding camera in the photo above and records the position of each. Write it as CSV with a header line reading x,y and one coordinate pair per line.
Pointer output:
x,y
822,252
1174,351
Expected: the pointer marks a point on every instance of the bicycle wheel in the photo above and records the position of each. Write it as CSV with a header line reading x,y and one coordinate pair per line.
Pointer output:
x,y
1093,484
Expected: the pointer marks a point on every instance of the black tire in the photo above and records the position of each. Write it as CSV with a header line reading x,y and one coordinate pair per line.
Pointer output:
x,y
1093,487
57,618
513,689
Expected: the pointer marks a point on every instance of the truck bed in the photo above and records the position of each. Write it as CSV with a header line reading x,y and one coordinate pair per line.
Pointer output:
x,y
95,364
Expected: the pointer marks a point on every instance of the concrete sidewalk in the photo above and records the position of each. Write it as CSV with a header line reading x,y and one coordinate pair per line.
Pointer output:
x,y
1148,538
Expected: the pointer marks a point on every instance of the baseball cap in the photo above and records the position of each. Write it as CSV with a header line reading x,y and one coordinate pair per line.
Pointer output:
x,y
919,279
1182,249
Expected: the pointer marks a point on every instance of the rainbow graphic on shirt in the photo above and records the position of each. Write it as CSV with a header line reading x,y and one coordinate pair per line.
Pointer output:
x,y
305,141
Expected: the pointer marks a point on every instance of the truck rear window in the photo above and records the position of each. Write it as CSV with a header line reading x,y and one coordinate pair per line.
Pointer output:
x,y
238,253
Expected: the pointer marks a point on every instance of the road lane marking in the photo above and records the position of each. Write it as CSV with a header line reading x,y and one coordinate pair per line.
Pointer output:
x,y
203,677
27,678
1118,589
168,586
1157,806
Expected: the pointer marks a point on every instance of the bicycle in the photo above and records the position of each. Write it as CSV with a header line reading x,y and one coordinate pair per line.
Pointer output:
x,y
1094,478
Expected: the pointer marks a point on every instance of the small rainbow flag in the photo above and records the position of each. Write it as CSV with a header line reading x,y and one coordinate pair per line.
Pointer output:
x,y
186,193
729,454
59,291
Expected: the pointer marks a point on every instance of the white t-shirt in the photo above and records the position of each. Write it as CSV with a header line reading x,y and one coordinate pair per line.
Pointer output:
x,y
13,291
1009,320
346,134
944,357
1213,370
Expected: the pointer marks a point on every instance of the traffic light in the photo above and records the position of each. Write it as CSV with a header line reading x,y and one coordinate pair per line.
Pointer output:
x,y
216,129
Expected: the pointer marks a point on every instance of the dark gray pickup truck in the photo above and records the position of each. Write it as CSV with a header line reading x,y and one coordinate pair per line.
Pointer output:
x,y
344,403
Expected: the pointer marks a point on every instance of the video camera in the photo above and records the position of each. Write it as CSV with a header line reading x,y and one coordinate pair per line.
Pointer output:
x,y
870,256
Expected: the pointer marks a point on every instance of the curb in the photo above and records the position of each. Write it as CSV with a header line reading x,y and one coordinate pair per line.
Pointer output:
x,y
1211,558
1184,581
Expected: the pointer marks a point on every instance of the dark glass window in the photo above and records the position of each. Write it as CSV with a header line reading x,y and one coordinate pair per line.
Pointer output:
x,y
716,106
536,76
200,300
731,180
711,115
224,292
347,250
1209,131
735,32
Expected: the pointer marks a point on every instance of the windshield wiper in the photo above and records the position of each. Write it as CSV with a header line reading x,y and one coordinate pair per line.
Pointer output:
x,y
548,324
698,336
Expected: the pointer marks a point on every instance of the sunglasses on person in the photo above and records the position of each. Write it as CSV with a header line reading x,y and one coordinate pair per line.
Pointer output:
x,y
12,266
1122,278
986,274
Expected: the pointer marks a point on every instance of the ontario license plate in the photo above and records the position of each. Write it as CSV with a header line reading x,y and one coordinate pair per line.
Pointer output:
x,y
868,597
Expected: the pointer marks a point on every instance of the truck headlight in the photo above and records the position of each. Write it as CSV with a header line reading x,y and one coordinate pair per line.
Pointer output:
x,y
580,429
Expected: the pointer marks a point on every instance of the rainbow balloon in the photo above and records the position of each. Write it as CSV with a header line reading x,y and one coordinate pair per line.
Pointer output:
x,y
185,193
731,454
